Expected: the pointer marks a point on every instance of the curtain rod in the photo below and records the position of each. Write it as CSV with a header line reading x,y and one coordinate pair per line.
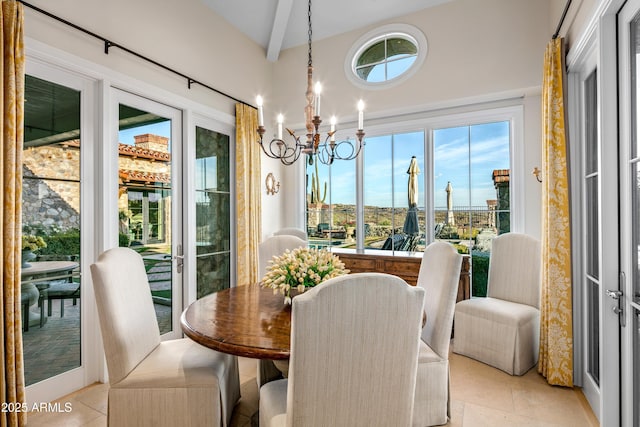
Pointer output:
x,y
109,44
564,15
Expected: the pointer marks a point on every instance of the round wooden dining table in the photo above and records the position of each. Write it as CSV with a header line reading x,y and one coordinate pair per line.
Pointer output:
x,y
248,321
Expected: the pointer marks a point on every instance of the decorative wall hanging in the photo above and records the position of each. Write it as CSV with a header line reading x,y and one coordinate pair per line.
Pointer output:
x,y
272,185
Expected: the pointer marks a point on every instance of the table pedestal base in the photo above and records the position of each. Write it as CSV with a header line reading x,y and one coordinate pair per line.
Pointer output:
x,y
31,296
283,366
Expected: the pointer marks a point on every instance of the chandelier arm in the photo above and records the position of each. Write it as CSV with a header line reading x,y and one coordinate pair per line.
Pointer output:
x,y
341,150
323,155
277,149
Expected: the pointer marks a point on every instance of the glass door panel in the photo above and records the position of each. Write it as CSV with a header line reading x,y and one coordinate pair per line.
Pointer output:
x,y
213,212
145,199
591,261
51,279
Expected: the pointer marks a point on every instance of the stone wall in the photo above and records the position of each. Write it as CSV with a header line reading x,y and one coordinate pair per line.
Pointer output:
x,y
51,180
501,183
47,202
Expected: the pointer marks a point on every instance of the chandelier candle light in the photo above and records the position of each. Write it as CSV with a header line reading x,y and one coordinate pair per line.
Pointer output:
x,y
327,151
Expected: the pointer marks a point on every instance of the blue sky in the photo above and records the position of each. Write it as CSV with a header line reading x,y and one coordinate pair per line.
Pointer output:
x,y
394,69
206,168
162,129
489,150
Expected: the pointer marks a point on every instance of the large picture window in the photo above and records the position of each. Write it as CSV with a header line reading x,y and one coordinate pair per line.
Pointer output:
x,y
434,182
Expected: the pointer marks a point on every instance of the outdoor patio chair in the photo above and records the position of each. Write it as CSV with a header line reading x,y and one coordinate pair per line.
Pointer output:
x,y
60,289
394,242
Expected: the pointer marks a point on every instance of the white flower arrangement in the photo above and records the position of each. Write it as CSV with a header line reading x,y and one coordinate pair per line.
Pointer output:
x,y
300,269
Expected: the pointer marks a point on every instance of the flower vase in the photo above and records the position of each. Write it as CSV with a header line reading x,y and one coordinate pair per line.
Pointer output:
x,y
27,256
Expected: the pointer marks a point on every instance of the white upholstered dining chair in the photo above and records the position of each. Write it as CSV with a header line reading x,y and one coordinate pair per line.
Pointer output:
x,y
503,329
439,275
153,382
270,247
354,352
274,246
291,231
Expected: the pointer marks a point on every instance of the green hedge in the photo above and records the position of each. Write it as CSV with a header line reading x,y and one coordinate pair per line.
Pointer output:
x,y
61,242
123,240
479,275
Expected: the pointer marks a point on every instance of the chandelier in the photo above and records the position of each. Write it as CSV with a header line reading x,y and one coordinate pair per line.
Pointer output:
x,y
326,151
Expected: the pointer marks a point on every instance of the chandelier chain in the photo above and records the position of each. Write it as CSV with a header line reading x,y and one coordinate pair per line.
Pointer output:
x,y
310,63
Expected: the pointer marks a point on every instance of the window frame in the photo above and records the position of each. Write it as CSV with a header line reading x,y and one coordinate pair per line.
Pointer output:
x,y
428,123
397,30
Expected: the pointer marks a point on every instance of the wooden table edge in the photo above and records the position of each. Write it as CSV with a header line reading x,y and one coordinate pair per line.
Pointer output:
x,y
236,350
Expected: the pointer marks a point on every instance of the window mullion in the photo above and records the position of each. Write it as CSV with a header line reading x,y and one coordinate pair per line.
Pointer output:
x,y
393,190
429,184
360,229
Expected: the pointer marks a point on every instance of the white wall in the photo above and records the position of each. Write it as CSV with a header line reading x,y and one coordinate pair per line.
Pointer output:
x,y
184,35
477,50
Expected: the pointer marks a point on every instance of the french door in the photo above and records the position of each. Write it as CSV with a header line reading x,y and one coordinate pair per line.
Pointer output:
x,y
628,292
210,163
59,345
147,141
597,266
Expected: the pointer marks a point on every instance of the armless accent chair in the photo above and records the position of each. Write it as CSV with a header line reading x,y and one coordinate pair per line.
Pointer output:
x,y
153,382
354,353
503,329
273,246
439,275
291,231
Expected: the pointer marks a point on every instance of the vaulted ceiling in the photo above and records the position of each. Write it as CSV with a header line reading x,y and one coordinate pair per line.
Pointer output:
x,y
281,24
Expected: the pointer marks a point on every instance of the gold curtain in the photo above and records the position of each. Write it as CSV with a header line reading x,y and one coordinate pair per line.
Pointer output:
x,y
12,369
556,331
249,224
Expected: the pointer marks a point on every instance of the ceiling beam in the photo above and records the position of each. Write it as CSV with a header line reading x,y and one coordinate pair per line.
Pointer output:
x,y
280,21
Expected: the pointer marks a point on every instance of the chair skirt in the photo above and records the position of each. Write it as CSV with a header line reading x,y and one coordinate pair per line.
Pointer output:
x,y
431,406
179,383
500,333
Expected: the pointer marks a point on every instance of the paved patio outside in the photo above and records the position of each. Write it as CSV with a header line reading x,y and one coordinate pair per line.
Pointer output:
x,y
55,348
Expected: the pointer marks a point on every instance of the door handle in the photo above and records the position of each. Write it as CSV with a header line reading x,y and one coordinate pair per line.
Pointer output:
x,y
179,262
617,295
614,293
179,259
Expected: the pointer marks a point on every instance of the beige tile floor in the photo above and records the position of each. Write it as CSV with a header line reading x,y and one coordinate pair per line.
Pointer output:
x,y
481,396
